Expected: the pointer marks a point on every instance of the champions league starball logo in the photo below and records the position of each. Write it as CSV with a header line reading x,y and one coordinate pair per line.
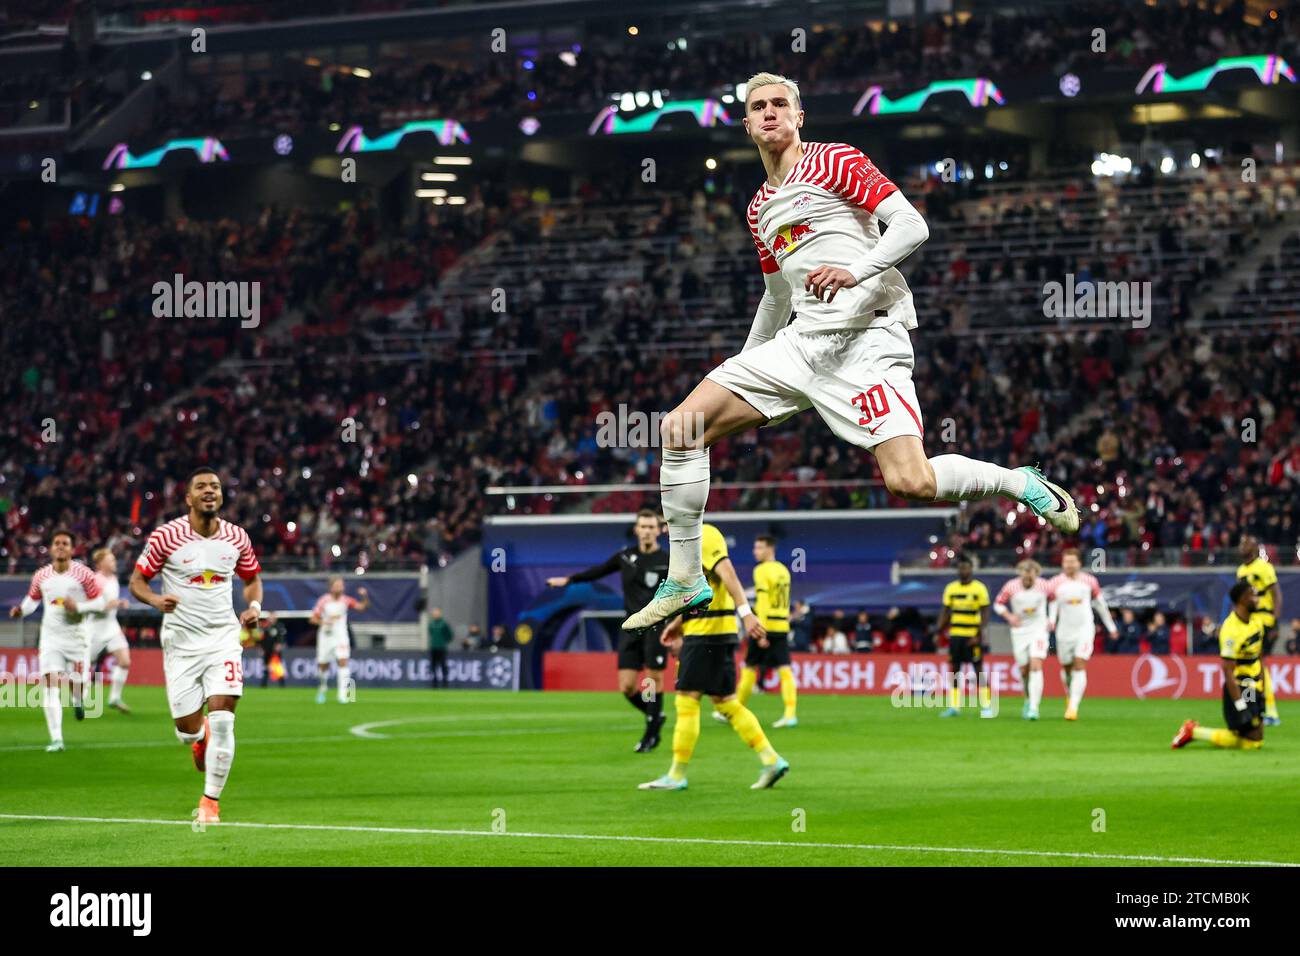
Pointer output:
x,y
500,672
1152,677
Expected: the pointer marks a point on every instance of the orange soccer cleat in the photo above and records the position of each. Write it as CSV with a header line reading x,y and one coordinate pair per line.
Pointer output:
x,y
200,749
1071,714
1184,735
209,810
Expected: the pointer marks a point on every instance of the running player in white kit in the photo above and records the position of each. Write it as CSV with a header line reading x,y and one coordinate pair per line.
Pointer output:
x,y
330,615
104,634
1022,603
67,589
848,353
1074,596
198,555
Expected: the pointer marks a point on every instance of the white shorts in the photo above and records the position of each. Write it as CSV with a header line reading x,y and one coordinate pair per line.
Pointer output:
x,y
860,381
1071,647
193,678
1028,645
111,641
330,648
59,658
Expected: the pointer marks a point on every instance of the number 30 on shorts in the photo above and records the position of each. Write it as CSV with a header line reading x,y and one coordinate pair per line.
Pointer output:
x,y
872,403
234,672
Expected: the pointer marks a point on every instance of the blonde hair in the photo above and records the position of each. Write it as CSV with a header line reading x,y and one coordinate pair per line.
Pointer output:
x,y
767,79
1029,564
98,555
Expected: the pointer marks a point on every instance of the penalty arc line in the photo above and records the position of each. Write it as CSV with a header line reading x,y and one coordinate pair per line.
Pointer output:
x,y
675,841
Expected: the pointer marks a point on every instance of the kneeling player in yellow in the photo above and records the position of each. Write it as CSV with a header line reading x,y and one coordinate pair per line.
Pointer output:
x,y
1241,646
706,651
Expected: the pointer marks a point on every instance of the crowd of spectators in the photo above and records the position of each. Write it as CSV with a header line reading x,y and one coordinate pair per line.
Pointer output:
x,y
839,58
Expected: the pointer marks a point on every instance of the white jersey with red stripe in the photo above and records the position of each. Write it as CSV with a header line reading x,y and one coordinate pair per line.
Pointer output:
x,y
333,614
199,571
1027,603
52,588
1073,597
102,625
823,214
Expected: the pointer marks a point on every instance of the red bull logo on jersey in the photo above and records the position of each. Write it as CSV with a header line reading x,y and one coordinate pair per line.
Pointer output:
x,y
208,579
789,236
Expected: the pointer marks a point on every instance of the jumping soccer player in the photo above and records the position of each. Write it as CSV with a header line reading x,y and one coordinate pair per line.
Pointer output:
x,y
198,553
67,589
1073,596
847,354
1241,650
965,614
330,617
104,634
1022,603
707,665
772,605
1256,569
644,566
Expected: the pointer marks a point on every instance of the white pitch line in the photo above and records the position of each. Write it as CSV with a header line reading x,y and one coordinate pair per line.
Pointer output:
x,y
339,738
676,841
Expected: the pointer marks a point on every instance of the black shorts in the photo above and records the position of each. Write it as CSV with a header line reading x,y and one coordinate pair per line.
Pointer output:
x,y
1243,721
707,668
641,650
776,654
964,650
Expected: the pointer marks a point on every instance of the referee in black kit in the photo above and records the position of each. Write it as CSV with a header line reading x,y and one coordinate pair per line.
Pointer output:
x,y
643,566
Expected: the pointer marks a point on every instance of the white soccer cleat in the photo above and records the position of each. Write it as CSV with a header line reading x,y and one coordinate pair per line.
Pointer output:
x,y
54,747
787,722
721,718
670,600
1049,501
770,775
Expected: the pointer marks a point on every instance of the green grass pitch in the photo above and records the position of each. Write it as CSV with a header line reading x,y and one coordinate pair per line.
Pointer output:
x,y
871,785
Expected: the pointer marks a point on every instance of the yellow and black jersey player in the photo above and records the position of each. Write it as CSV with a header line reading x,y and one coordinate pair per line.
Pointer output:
x,y
965,614
1241,652
1256,569
705,644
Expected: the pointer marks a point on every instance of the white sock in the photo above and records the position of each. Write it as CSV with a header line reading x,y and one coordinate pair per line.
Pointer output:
x,y
221,753
77,685
185,738
345,677
958,478
1077,686
1035,689
118,682
1065,680
53,712
324,681
684,490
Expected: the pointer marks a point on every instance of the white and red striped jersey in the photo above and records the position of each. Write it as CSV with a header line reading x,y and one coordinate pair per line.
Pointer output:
x,y
333,614
1073,600
52,588
1027,603
823,214
103,624
199,572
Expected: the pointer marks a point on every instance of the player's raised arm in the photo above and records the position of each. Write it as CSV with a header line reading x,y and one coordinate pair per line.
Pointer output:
x,y
30,602
1103,612
726,571
364,603
593,573
1002,606
253,596
865,186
